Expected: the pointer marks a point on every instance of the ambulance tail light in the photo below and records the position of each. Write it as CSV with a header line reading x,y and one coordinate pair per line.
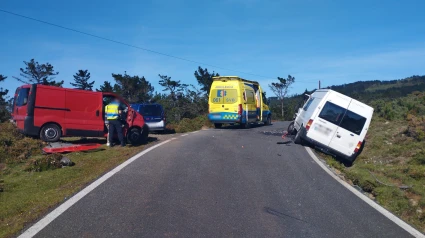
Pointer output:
x,y
240,109
359,145
307,127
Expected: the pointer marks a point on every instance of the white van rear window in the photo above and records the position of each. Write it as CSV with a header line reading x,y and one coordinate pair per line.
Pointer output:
x,y
342,117
353,122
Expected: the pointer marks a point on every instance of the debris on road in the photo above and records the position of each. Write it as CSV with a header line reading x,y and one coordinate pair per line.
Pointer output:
x,y
65,161
59,147
284,142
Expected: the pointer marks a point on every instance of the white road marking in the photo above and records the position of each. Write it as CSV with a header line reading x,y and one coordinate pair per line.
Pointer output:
x,y
185,135
373,204
193,132
37,227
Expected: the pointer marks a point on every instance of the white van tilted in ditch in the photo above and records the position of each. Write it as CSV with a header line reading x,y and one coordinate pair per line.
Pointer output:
x,y
333,122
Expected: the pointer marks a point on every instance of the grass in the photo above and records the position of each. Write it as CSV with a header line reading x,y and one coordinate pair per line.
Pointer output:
x,y
28,195
398,162
188,125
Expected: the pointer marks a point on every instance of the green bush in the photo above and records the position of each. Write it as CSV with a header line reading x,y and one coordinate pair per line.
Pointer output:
x,y
418,159
14,147
43,163
187,125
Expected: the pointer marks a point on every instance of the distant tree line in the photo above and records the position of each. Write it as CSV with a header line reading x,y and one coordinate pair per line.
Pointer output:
x,y
376,93
179,100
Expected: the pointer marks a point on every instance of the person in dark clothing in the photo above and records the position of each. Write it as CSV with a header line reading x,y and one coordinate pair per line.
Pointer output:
x,y
113,113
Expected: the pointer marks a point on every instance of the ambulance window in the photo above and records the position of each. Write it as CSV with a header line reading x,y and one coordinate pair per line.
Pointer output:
x,y
23,97
264,98
216,96
353,122
224,96
231,96
332,113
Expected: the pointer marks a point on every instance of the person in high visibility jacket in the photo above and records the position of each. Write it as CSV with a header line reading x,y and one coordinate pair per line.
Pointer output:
x,y
112,113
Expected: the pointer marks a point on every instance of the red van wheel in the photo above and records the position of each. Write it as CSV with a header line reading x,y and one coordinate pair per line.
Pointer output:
x,y
50,133
134,136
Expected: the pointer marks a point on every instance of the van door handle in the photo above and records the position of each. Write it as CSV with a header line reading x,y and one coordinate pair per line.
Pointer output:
x,y
337,135
97,113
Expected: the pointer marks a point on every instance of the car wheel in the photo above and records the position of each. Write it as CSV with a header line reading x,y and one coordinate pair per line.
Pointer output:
x,y
298,139
291,129
218,125
50,133
134,136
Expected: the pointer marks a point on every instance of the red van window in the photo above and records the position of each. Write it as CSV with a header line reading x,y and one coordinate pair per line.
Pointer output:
x,y
22,97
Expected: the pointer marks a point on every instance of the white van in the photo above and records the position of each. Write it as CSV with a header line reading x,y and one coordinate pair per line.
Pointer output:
x,y
333,122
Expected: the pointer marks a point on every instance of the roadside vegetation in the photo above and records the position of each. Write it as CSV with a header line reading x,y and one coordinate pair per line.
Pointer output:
x,y
32,183
391,168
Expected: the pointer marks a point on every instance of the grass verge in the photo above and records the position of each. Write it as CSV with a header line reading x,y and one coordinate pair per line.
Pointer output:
x,y
28,194
391,170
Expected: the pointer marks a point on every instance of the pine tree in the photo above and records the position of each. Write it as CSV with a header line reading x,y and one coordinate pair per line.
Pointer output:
x,y
81,79
4,113
204,79
133,88
105,87
38,73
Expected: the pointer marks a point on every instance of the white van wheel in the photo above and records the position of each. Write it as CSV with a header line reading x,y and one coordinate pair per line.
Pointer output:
x,y
291,129
298,139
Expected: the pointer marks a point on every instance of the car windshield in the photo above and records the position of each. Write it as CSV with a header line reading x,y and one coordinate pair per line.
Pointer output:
x,y
151,110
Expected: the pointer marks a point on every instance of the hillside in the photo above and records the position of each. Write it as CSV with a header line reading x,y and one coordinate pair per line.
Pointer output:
x,y
365,91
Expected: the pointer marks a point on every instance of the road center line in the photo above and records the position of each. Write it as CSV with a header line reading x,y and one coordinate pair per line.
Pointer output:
x,y
373,204
37,227
185,135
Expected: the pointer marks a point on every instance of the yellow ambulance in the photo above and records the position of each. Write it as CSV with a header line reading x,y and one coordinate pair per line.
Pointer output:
x,y
236,100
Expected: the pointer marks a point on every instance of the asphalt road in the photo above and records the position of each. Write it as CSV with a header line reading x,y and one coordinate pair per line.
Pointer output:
x,y
223,183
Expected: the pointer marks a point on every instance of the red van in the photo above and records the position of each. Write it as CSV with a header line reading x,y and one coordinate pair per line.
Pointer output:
x,y
51,112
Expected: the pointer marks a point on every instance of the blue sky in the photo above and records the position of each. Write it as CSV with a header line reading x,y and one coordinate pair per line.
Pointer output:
x,y
332,41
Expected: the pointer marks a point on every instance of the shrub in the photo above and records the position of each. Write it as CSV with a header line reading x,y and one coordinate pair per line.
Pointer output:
x,y
418,159
187,125
43,163
14,147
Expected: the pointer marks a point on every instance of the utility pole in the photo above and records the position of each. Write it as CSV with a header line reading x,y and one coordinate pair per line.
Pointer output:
x,y
319,84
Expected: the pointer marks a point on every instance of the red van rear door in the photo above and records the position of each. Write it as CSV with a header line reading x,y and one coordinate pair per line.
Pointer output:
x,y
84,117
21,106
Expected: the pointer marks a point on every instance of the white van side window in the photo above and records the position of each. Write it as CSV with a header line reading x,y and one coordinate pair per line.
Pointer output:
x,y
307,105
332,113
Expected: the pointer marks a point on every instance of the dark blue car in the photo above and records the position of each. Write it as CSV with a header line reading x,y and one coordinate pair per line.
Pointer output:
x,y
153,114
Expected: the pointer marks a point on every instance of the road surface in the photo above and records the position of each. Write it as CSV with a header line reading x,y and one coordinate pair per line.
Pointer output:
x,y
223,183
